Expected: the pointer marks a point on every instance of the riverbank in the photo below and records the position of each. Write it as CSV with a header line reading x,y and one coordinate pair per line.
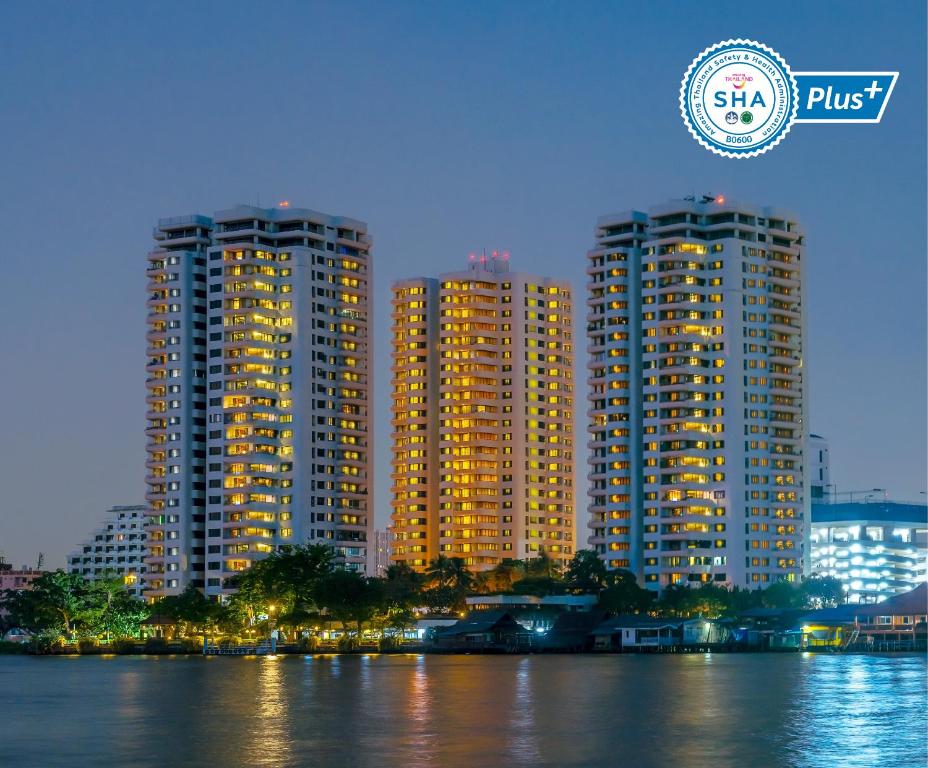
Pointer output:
x,y
195,648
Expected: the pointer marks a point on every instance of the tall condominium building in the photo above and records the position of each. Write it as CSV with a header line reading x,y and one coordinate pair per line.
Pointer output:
x,y
258,377
697,394
115,549
482,417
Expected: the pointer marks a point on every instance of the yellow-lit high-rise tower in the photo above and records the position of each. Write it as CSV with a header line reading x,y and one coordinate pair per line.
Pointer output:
x,y
482,417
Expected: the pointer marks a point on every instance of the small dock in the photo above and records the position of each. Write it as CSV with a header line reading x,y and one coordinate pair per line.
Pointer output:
x,y
224,648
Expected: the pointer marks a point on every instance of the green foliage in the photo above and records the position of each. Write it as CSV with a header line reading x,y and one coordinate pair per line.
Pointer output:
x,y
115,612
623,595
499,579
124,645
387,644
302,587
87,646
542,566
539,586
62,606
587,573
782,594
348,597
191,610
440,599
54,605
449,583
191,645
282,584
402,588
823,592
713,600
308,643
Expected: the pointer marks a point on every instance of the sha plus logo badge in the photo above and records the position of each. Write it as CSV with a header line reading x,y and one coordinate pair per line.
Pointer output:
x,y
739,98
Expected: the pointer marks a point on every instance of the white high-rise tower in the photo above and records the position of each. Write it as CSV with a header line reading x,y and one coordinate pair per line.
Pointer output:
x,y
697,394
259,374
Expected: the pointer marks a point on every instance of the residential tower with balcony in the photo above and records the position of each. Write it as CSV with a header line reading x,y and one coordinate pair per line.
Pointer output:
x,y
279,430
697,394
482,417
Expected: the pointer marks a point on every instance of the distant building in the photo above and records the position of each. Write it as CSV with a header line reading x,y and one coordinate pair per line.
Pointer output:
x,y
898,623
14,579
900,618
877,549
486,631
819,468
115,549
17,578
538,614
482,417
380,560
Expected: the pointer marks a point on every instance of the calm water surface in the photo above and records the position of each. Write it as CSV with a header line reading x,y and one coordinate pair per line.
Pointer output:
x,y
464,711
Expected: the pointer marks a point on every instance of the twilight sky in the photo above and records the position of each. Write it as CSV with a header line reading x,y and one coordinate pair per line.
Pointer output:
x,y
448,127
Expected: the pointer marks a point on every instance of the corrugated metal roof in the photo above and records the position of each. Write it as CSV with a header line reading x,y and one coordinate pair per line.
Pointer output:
x,y
634,621
911,603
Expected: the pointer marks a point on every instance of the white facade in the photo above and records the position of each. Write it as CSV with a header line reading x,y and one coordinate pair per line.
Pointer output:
x,y
697,394
482,417
115,550
176,404
819,469
273,431
876,549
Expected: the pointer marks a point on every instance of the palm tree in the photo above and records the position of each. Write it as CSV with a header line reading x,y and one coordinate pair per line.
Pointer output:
x,y
439,571
586,572
450,582
461,579
543,565
500,577
402,587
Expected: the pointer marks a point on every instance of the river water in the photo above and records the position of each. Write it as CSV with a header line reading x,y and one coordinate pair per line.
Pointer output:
x,y
751,710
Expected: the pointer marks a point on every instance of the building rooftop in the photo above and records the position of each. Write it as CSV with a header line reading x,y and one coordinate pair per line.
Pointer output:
x,y
635,621
880,511
480,622
911,603
841,614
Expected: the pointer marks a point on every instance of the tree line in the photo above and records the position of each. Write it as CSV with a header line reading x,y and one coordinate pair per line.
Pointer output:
x,y
300,590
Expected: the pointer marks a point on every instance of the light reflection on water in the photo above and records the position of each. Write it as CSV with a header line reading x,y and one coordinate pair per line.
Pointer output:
x,y
860,708
465,711
523,745
417,703
270,744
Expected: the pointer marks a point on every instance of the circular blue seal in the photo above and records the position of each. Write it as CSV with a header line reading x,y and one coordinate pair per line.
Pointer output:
x,y
739,98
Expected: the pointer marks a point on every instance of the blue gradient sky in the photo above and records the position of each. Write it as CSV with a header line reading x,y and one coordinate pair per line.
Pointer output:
x,y
448,127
